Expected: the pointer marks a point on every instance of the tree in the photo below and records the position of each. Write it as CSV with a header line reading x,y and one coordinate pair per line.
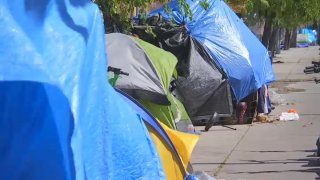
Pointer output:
x,y
117,13
298,13
238,6
276,14
287,14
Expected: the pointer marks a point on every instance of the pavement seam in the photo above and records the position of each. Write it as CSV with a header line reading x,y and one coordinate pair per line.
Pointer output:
x,y
220,167
296,80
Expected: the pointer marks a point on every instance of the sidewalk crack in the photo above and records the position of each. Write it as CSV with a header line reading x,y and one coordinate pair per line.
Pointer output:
x,y
220,167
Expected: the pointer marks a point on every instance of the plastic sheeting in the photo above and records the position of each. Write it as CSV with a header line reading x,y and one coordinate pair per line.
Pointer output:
x,y
59,117
234,47
310,36
201,86
203,91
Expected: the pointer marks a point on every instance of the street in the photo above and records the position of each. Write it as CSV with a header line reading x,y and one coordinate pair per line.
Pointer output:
x,y
275,150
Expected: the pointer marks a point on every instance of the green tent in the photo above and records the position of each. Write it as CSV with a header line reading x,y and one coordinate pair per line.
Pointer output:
x,y
150,72
169,115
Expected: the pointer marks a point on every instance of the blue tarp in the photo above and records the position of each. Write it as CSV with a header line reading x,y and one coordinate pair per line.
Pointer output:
x,y
59,117
311,35
230,42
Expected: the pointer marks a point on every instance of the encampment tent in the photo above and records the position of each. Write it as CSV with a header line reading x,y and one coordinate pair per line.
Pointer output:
x,y
201,86
144,80
174,147
306,37
232,45
59,117
150,72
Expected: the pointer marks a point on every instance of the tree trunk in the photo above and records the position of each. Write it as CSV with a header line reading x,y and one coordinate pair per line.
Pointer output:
x,y
293,42
278,39
318,30
272,42
267,31
315,25
287,39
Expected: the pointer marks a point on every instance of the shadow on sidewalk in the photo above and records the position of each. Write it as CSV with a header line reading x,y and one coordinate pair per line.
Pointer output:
x,y
310,164
284,151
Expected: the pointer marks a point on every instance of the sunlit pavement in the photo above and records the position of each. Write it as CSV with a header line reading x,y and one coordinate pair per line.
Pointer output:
x,y
278,150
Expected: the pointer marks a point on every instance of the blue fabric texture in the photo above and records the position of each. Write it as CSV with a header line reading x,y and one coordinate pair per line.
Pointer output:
x,y
230,42
59,117
148,118
312,36
264,102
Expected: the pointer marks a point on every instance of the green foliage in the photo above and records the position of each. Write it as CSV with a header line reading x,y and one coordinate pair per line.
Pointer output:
x,y
284,13
287,13
204,4
150,32
124,9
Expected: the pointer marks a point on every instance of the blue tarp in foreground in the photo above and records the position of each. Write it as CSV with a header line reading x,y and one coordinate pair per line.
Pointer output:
x,y
229,41
59,118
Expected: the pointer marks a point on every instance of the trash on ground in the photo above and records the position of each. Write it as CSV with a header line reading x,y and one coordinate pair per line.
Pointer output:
x,y
276,99
315,68
262,118
291,115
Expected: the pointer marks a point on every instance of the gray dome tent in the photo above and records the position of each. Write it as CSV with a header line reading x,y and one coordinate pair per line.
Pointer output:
x,y
143,81
150,72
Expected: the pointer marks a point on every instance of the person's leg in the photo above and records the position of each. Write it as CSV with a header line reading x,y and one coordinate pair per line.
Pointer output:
x,y
242,106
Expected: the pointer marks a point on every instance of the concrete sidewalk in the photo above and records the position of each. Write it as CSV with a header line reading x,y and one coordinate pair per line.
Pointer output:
x,y
278,150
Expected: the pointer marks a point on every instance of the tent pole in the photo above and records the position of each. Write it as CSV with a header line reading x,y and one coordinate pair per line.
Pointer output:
x,y
214,119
